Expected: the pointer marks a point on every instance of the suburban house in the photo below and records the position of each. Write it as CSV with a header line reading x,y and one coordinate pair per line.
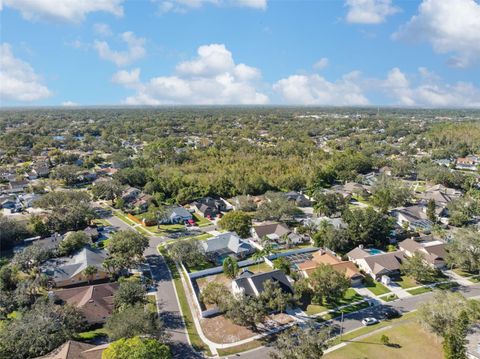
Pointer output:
x,y
298,198
48,243
275,232
414,216
41,169
210,207
377,265
225,245
130,194
337,223
252,284
176,214
69,271
433,251
467,163
76,350
18,186
323,257
350,189
94,301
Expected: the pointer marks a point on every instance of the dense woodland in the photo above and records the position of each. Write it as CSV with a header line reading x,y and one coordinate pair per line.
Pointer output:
x,y
181,154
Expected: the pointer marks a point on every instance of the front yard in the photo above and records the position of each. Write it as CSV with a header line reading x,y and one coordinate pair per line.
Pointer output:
x,y
350,297
375,287
222,330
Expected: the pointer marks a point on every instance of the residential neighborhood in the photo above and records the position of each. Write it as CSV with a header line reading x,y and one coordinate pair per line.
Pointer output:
x,y
113,250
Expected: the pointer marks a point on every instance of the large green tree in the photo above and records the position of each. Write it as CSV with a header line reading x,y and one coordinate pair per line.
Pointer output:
x,y
129,293
300,343
39,330
73,242
328,284
417,268
464,250
137,348
128,246
132,321
237,221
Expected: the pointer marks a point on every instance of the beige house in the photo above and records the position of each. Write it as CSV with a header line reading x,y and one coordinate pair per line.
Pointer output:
x,y
433,251
70,271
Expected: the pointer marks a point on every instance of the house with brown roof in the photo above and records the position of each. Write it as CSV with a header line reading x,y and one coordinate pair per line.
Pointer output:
x,y
94,301
322,257
377,265
276,232
76,350
433,251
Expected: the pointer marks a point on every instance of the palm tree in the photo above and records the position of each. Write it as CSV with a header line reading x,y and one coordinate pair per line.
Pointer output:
x,y
90,271
257,256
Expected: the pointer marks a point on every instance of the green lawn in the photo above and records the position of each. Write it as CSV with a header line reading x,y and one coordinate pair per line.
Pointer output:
x,y
406,282
260,267
463,273
474,279
375,287
448,285
407,338
92,334
346,310
201,221
389,297
240,348
420,290
349,297
123,217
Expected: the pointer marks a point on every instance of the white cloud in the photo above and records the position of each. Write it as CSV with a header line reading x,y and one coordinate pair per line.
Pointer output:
x,y
211,78
135,51
182,6
18,80
69,104
428,90
316,90
127,78
102,30
450,26
255,4
369,11
321,64
63,10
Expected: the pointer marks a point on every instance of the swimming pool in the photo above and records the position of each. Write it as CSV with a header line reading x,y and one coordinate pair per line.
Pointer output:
x,y
374,251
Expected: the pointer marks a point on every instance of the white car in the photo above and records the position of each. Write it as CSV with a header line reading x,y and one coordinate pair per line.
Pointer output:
x,y
369,321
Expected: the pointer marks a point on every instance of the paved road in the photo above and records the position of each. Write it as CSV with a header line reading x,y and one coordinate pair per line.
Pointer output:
x,y
353,321
167,300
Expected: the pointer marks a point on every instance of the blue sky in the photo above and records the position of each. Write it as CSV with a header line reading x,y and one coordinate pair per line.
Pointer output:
x,y
154,52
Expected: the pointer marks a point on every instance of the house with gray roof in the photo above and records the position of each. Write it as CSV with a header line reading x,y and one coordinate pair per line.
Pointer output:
x,y
225,245
377,264
414,216
278,233
253,284
176,214
69,271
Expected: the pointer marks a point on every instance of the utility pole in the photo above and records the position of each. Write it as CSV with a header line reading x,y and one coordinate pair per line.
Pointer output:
x,y
341,327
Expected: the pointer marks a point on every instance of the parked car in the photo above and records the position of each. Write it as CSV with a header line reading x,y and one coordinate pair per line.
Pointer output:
x,y
391,313
369,321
